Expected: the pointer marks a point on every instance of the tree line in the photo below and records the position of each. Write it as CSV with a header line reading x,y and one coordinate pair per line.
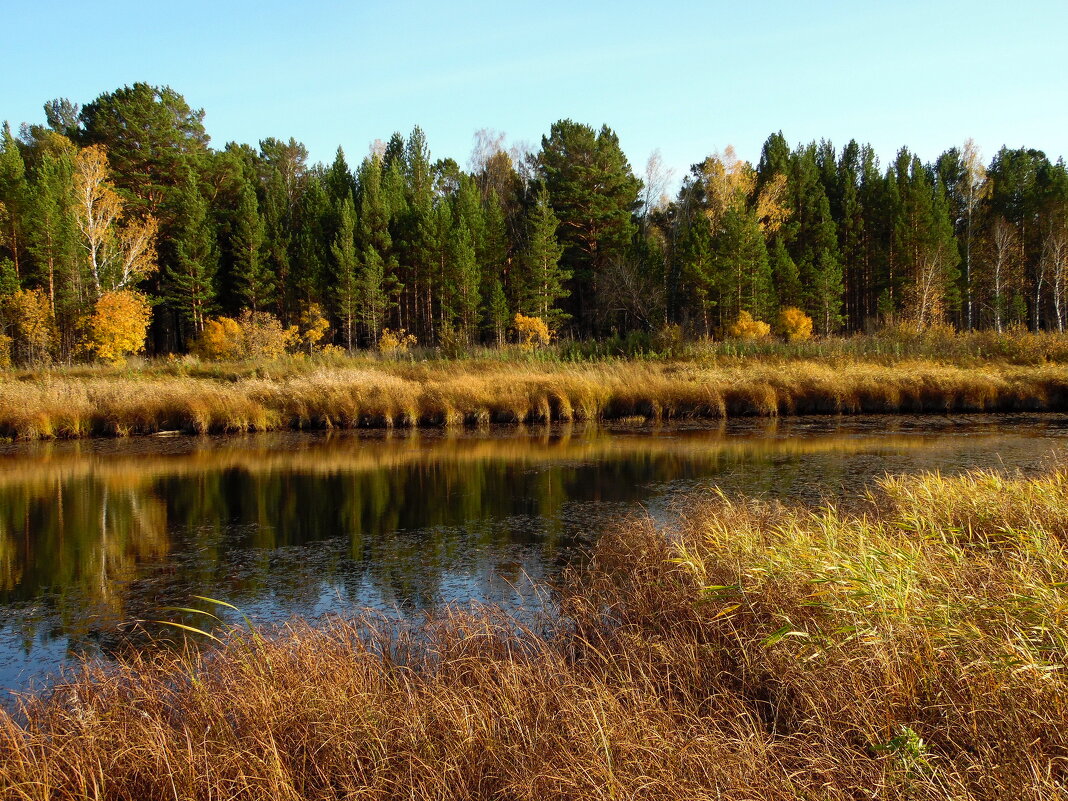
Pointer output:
x,y
120,215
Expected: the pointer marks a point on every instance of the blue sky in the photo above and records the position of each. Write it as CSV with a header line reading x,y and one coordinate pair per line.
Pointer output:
x,y
687,78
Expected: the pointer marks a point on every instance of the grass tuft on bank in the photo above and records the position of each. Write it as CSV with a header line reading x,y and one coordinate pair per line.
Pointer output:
x,y
914,648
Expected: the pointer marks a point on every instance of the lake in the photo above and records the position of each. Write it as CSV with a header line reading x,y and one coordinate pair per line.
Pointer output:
x,y
99,538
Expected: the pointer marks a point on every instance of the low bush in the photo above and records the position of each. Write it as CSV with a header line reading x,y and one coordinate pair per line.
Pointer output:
x,y
747,328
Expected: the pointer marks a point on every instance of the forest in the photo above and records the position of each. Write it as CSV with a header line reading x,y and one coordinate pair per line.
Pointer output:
x,y
121,226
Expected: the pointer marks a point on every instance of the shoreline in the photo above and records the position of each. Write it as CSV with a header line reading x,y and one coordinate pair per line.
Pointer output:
x,y
78,404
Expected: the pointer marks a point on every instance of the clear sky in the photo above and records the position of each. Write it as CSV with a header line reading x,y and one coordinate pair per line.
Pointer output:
x,y
686,77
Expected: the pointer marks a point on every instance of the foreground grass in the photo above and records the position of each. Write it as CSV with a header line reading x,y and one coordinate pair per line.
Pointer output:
x,y
916,650
359,393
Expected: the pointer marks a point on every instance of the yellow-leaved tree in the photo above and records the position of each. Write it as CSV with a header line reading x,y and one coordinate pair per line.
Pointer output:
x,y
729,181
30,315
745,327
313,326
794,324
533,332
118,324
120,251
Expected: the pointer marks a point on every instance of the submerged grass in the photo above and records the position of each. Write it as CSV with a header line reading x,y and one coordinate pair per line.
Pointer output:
x,y
916,649
350,394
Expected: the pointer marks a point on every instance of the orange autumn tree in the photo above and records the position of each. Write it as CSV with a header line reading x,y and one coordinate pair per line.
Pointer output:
x,y
118,325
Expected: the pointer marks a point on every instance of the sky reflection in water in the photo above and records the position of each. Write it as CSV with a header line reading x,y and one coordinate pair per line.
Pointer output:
x,y
96,534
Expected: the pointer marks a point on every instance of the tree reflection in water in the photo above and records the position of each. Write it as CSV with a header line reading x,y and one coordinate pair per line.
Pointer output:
x,y
93,534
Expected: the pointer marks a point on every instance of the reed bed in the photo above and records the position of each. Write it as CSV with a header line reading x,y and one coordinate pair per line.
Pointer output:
x,y
387,394
914,648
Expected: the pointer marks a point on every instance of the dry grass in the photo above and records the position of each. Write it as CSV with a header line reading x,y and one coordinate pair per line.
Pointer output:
x,y
914,651
385,394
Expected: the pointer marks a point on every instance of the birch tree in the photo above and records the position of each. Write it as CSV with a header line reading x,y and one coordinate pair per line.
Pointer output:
x,y
120,252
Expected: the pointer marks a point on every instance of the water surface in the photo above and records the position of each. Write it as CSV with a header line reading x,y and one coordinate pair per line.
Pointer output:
x,y
97,535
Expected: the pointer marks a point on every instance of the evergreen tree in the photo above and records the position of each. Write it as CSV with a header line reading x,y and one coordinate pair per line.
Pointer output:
x,y
785,276
495,268
378,277
152,137
14,199
775,159
252,278
346,271
593,194
338,180
190,282
497,311
812,239
53,236
424,227
851,234
924,246
545,279
311,245
1015,176
278,234
374,292
464,281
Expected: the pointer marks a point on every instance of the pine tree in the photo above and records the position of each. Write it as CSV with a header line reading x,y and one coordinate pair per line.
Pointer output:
x,y
494,260
464,280
253,281
924,246
812,240
785,277
743,274
190,282
53,236
593,193
545,277
497,310
14,199
311,245
346,275
374,292
378,282
277,229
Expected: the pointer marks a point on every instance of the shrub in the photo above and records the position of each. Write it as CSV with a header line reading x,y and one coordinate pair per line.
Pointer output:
x,y
794,324
118,325
669,340
395,343
264,336
253,335
452,343
745,327
533,332
220,340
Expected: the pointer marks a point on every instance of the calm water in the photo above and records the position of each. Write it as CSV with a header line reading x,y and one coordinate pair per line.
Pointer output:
x,y
95,536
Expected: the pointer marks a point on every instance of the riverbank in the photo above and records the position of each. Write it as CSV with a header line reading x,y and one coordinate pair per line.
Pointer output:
x,y
916,649
82,402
